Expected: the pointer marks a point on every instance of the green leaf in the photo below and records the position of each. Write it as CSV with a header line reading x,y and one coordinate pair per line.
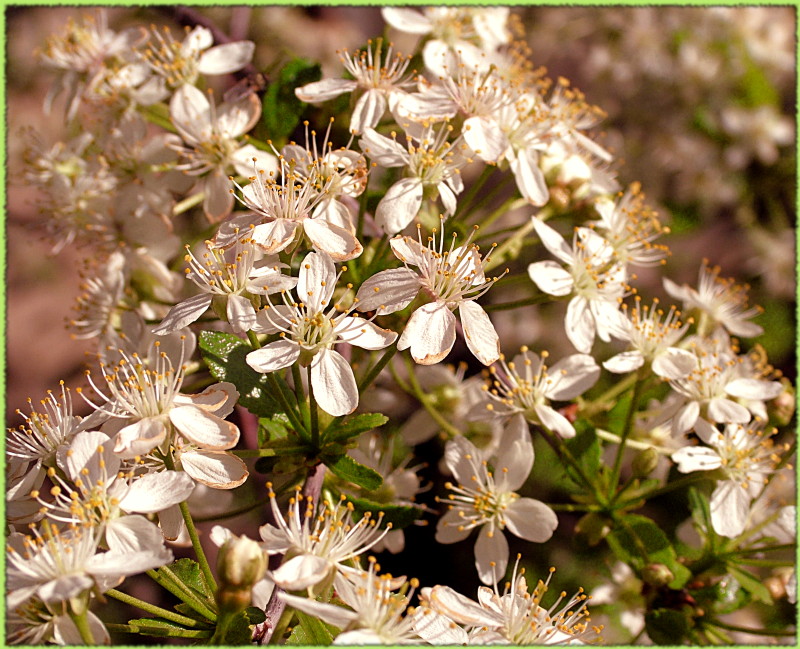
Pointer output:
x,y
255,614
282,109
188,572
399,516
238,631
585,448
655,543
345,429
273,428
161,628
316,632
225,354
750,583
346,468
666,626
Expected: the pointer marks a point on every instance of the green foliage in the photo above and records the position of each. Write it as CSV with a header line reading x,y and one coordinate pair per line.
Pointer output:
x,y
310,631
188,573
342,430
282,109
666,626
399,516
225,354
346,468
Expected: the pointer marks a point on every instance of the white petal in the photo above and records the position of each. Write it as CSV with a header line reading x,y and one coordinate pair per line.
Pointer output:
x,y
555,421
317,281
226,58
406,20
531,520
156,491
363,333
274,356
183,314
240,312
66,633
219,398
118,564
551,278
460,609
674,363
301,572
216,469
133,533
430,332
491,555
274,236
479,332
625,362
204,429
514,458
579,324
399,205
336,241
754,389
383,150
368,111
448,198
171,522
684,419
572,376
336,615
197,40
388,291
438,629
64,587
243,161
727,411
334,385
730,504
450,528
323,90
190,112
82,456
485,138
696,458
553,241
218,201
238,117
140,438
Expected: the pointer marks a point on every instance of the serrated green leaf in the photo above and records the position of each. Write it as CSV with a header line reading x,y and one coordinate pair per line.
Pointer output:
x,y
399,516
161,628
238,631
345,429
256,615
272,428
225,355
666,626
346,468
282,109
188,572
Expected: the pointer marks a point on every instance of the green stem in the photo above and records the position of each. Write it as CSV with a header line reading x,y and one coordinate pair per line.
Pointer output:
x,y
376,369
151,608
188,203
81,621
744,629
626,431
465,201
300,394
631,443
766,548
604,401
417,391
198,547
667,488
569,507
288,409
254,341
557,444
312,405
165,578
499,252
507,206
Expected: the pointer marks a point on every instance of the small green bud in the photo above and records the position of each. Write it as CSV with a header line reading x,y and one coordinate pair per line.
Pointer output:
x,y
644,463
593,528
781,408
657,574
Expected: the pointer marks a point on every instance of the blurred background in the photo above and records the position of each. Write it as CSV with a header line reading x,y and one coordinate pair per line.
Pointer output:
x,y
700,107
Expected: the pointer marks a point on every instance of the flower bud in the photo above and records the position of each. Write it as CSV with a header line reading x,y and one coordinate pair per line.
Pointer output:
x,y
781,408
644,463
592,528
240,565
657,574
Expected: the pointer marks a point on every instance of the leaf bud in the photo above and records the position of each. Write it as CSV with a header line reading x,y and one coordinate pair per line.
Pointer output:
x,y
657,574
644,463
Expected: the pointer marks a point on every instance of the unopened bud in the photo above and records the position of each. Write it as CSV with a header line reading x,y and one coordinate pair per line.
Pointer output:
x,y
593,528
240,565
644,463
781,408
657,574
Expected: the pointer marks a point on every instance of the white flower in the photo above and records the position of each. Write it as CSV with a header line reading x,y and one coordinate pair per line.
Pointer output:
x,y
56,566
317,539
454,278
746,456
308,335
515,616
652,335
37,623
182,63
712,390
377,615
593,277
524,386
233,275
488,500
381,76
299,202
212,148
719,300
147,412
432,163
631,227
